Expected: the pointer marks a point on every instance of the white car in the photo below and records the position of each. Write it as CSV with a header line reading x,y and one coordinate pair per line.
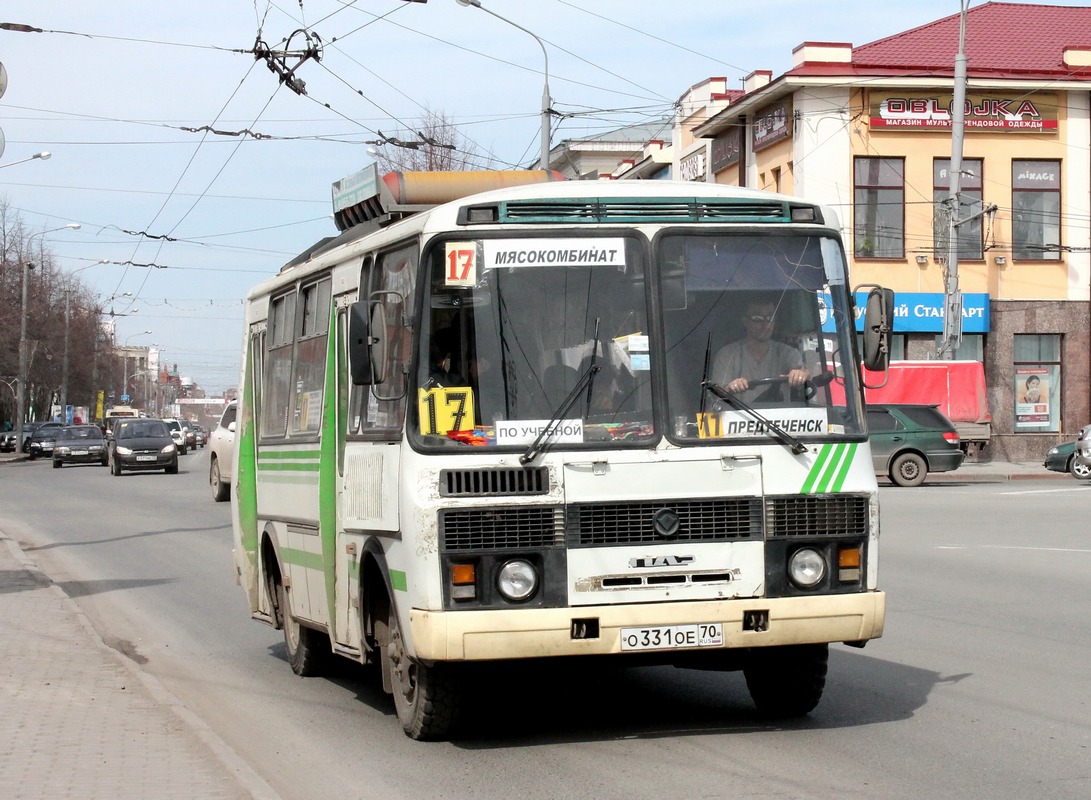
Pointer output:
x,y
221,455
177,433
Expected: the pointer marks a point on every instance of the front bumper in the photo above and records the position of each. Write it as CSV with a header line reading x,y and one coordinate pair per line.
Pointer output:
x,y
547,632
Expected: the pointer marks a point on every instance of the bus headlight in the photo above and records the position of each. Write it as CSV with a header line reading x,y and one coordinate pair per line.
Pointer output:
x,y
806,568
517,580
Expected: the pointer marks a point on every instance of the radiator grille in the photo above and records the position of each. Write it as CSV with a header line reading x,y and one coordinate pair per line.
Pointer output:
x,y
493,482
605,524
811,515
501,528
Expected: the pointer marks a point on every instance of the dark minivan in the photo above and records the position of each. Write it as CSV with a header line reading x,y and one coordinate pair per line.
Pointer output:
x,y
909,441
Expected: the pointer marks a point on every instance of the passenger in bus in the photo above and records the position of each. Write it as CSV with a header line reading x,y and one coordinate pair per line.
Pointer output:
x,y
758,355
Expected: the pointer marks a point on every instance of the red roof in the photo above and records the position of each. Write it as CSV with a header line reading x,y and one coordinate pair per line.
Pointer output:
x,y
1016,40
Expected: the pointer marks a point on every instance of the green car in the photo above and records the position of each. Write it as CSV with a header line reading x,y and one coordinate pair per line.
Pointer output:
x,y
1061,458
909,441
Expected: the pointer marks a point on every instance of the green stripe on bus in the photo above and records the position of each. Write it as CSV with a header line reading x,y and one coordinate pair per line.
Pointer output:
x,y
846,463
289,467
327,472
301,558
296,480
816,470
830,469
246,489
398,581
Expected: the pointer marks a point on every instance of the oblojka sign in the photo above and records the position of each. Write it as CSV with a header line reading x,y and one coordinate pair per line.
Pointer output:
x,y
985,111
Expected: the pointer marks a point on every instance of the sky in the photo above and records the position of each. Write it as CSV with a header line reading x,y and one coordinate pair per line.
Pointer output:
x,y
195,173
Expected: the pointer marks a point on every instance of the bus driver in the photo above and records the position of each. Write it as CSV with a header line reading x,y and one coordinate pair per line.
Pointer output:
x,y
757,355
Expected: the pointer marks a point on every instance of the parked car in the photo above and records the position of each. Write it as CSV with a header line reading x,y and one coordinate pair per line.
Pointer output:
x,y
143,444
41,441
1082,456
200,435
80,444
1062,458
177,433
909,441
8,441
30,428
221,454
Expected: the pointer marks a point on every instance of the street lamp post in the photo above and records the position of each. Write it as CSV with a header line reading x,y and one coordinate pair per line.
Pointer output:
x,y
20,395
546,100
44,155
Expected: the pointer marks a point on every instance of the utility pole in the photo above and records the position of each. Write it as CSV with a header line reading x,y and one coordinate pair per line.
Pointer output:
x,y
952,297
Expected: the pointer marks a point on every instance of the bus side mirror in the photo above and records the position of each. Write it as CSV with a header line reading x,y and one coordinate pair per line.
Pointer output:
x,y
367,342
878,323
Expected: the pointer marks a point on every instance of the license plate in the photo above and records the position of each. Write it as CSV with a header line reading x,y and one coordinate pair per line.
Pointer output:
x,y
79,452
673,637
145,458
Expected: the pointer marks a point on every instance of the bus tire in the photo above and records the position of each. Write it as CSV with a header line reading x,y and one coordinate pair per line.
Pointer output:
x,y
426,698
908,469
220,490
304,645
787,681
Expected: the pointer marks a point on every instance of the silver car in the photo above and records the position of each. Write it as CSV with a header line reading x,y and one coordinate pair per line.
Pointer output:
x,y
1082,455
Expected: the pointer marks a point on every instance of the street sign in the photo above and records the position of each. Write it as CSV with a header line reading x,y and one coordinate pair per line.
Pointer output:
x,y
124,398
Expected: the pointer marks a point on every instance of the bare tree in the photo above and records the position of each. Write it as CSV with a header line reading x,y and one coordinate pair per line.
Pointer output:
x,y
436,145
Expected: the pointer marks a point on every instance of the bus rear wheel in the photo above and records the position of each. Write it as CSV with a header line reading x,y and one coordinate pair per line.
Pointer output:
x,y
787,681
304,645
426,698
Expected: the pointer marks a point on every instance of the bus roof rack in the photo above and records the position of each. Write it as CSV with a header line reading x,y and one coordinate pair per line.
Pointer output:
x,y
366,198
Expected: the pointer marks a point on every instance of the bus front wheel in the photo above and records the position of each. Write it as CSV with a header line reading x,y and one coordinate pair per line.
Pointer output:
x,y
426,698
787,681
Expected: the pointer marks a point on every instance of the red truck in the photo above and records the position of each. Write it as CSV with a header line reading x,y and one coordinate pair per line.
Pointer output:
x,y
957,387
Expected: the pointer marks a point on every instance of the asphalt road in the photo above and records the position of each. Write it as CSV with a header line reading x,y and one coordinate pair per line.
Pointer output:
x,y
978,689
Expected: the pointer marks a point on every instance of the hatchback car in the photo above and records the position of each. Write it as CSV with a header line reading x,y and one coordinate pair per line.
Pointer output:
x,y
30,428
42,440
177,433
80,444
143,444
221,454
909,441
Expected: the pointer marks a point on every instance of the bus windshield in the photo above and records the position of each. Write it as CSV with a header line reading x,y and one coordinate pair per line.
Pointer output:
x,y
525,335
513,327
758,329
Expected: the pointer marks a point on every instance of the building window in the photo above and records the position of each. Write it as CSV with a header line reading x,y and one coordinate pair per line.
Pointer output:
x,y
879,207
1036,210
969,203
1037,383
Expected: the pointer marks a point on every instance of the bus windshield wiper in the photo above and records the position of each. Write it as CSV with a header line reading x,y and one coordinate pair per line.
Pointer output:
x,y
537,446
797,447
586,381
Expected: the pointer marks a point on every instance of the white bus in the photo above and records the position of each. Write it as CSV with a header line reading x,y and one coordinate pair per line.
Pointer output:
x,y
482,426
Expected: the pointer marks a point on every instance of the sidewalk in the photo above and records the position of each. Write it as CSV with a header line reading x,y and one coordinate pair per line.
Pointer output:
x,y
78,719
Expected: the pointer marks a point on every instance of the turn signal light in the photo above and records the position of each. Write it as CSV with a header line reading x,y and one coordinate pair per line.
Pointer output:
x,y
848,564
463,581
